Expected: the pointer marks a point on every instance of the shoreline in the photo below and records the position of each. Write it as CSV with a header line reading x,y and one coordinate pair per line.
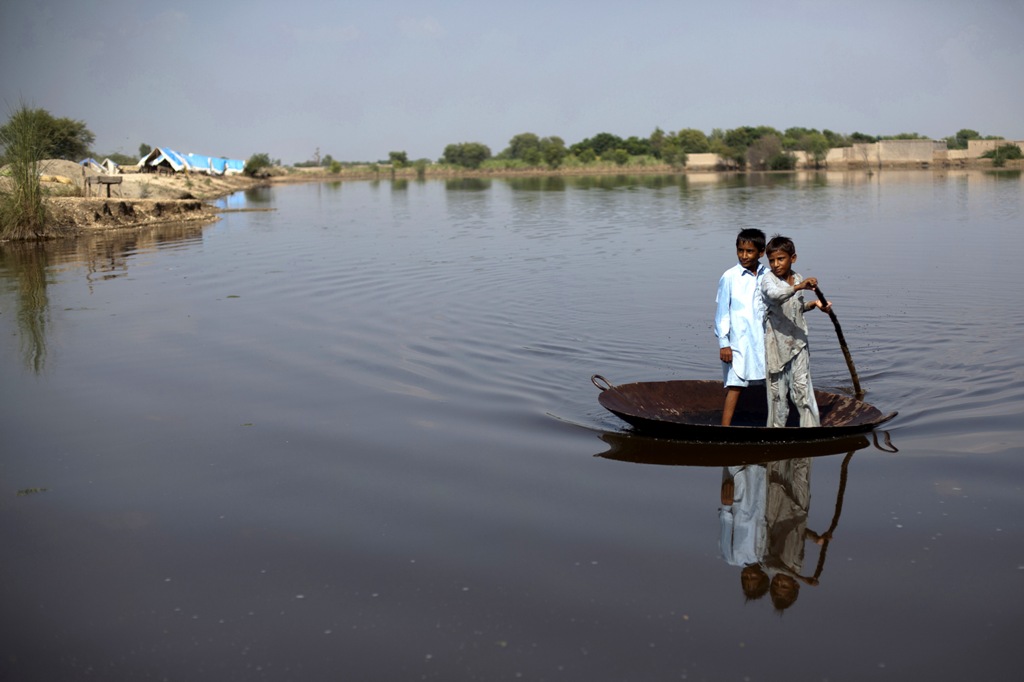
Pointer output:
x,y
147,199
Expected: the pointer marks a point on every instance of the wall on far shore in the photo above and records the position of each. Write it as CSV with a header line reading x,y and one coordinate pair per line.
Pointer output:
x,y
975,148
702,161
903,153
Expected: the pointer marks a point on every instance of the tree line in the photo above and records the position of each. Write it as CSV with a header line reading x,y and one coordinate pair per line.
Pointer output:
x,y
757,147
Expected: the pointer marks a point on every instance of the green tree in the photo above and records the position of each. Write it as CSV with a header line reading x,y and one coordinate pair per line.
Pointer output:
x,y
693,141
257,165
863,138
735,142
816,145
960,140
523,147
636,146
717,145
835,139
398,159
791,136
144,150
762,150
467,154
599,144
657,142
553,150
672,153
60,138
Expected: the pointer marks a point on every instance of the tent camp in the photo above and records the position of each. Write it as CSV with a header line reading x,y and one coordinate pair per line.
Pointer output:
x,y
93,165
164,158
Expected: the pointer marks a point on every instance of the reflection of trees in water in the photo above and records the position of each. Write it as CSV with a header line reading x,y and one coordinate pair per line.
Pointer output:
x,y
25,265
538,183
468,184
25,269
258,195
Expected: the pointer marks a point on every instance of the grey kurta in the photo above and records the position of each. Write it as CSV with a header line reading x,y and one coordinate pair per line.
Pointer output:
x,y
785,330
787,357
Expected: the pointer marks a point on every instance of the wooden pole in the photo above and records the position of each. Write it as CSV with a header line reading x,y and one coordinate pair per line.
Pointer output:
x,y
859,394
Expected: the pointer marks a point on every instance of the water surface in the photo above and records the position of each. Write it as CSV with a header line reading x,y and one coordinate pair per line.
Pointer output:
x,y
354,437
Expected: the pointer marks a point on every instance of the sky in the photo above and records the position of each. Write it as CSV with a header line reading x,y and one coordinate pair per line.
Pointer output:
x,y
358,80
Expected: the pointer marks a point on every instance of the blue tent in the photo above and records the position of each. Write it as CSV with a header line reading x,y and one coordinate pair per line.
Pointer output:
x,y
168,158
198,163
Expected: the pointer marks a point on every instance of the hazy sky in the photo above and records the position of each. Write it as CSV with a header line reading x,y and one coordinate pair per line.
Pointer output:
x,y
361,79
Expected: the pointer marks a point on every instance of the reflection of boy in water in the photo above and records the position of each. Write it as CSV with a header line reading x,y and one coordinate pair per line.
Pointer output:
x,y
754,581
788,501
742,517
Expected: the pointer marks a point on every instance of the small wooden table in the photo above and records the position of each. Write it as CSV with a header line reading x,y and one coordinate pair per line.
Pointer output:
x,y
107,180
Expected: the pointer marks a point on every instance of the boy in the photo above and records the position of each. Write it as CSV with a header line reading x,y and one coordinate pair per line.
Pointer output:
x,y
738,320
787,357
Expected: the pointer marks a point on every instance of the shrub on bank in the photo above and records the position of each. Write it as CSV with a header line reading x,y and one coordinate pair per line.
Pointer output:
x,y
1000,155
22,211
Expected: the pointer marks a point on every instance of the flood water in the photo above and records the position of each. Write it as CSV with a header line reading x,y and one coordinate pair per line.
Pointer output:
x,y
354,437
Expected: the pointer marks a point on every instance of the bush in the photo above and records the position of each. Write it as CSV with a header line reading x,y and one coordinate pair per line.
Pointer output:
x,y
256,164
1000,155
22,212
619,156
782,161
467,154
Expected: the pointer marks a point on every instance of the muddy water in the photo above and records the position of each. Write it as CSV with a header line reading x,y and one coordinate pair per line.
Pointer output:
x,y
354,437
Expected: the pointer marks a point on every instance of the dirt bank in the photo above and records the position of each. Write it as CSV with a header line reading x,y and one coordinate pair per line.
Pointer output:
x,y
68,179
138,200
77,214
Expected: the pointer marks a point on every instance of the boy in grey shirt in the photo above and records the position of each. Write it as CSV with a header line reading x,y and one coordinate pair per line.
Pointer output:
x,y
787,359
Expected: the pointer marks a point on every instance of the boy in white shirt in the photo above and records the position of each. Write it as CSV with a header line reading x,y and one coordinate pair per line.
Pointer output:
x,y
739,323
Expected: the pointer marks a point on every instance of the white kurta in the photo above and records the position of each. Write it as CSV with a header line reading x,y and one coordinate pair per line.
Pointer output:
x,y
739,322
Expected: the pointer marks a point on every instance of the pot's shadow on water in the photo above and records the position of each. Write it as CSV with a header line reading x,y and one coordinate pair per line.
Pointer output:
x,y
629,447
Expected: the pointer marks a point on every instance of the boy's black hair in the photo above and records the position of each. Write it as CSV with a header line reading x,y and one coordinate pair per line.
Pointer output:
x,y
752,235
780,243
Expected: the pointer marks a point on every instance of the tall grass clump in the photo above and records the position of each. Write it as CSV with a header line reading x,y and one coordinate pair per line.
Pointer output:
x,y
22,210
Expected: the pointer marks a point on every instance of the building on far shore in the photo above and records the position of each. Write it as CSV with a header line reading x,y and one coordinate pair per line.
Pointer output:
x,y
905,153
881,154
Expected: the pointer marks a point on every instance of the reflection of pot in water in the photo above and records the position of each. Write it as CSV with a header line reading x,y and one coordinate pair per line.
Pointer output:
x,y
626,447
